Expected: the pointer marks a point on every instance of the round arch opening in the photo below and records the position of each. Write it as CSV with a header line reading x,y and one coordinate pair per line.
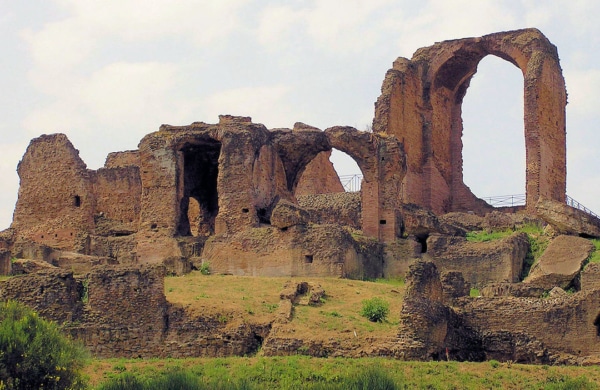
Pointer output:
x,y
329,172
493,138
347,169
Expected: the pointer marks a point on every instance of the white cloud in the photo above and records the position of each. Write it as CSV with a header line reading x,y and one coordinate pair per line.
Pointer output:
x,y
583,87
58,117
277,24
200,20
125,92
11,154
442,20
60,46
345,26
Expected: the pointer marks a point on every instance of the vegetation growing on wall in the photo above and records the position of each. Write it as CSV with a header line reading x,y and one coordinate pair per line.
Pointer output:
x,y
538,242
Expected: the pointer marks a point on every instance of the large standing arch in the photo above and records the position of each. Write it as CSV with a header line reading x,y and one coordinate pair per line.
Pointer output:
x,y
421,103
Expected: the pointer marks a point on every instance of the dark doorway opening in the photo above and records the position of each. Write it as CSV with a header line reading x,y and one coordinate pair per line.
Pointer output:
x,y
200,202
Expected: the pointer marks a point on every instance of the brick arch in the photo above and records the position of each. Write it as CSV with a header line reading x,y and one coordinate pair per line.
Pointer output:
x,y
381,161
421,103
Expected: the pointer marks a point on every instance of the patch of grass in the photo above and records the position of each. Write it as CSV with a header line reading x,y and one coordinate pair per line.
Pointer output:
x,y
537,246
271,307
474,293
302,372
538,242
391,281
595,256
330,313
256,300
485,236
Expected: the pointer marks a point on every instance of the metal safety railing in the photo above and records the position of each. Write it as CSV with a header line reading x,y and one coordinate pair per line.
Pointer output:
x,y
575,204
520,200
351,183
506,200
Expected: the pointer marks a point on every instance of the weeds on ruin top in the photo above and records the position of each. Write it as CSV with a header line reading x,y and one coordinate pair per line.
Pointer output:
x,y
485,236
595,256
532,230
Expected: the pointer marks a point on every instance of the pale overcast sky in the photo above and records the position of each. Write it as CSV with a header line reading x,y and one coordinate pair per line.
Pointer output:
x,y
108,72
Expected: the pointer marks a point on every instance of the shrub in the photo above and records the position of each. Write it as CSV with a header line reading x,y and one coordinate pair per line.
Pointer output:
x,y
205,269
34,354
375,309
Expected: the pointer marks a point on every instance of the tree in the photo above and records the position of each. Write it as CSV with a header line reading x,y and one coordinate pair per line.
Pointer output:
x,y
34,354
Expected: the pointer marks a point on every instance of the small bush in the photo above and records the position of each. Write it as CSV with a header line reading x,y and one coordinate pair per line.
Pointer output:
x,y
375,309
34,354
494,363
205,269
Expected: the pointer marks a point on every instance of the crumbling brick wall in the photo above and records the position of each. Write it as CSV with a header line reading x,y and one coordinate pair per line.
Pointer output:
x,y
565,326
53,293
319,177
343,208
117,192
421,105
56,202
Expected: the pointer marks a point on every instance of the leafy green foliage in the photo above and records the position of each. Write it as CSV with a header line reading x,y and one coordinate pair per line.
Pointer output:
x,y
474,293
375,309
205,268
34,354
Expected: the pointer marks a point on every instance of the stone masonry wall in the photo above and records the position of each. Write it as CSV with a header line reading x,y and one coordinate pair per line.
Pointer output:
x,y
319,177
56,203
421,105
117,192
565,325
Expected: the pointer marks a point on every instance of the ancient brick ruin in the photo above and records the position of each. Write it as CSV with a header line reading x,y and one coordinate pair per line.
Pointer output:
x,y
248,200
421,105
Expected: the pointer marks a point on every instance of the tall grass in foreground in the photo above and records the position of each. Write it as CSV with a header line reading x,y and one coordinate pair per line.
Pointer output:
x,y
300,372
370,379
